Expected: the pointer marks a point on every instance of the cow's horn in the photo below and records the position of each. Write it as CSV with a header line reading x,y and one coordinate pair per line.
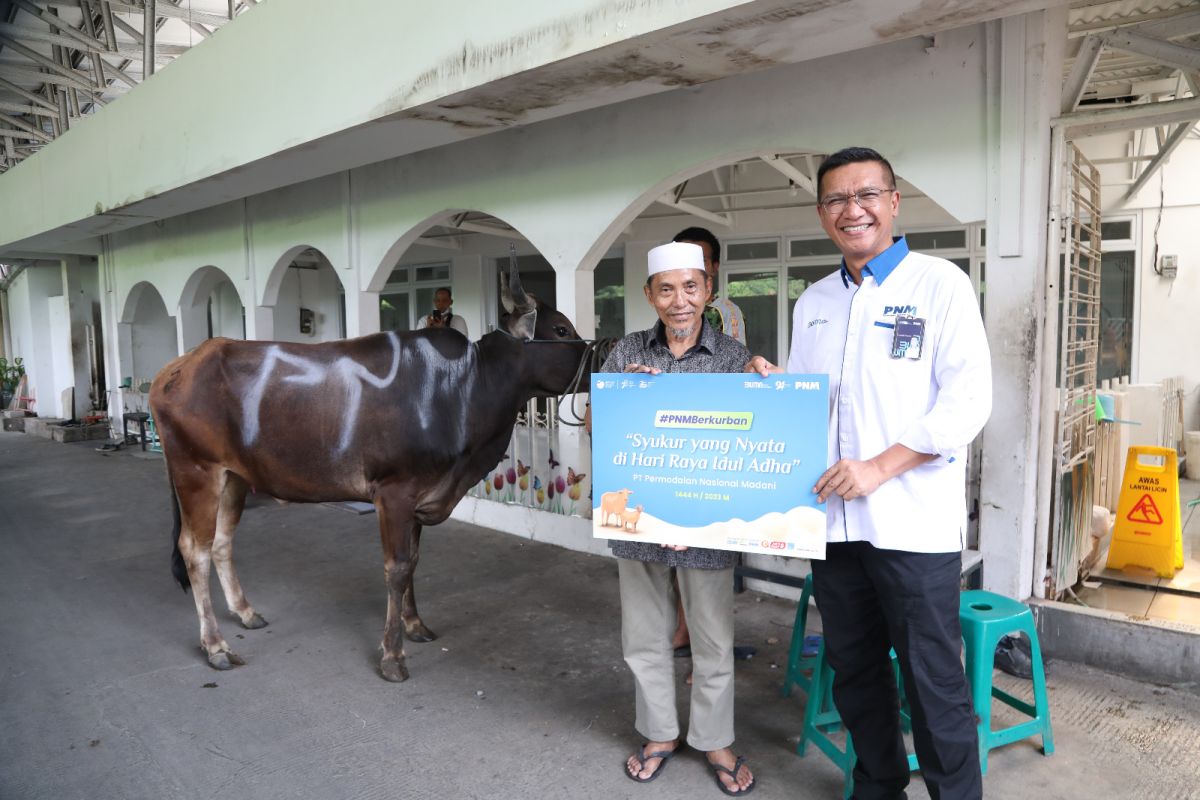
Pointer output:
x,y
514,292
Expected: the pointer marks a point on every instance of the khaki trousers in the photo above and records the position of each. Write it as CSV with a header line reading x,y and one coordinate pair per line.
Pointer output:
x,y
647,621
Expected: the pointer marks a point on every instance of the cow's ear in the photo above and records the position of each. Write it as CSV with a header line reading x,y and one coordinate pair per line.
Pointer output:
x,y
524,326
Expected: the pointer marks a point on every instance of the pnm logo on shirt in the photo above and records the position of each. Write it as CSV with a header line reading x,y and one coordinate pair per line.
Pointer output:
x,y
817,322
887,310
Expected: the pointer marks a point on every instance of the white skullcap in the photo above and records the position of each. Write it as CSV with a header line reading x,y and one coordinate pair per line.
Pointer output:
x,y
676,255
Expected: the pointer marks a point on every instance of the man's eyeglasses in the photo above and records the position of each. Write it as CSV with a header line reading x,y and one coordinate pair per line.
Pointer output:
x,y
866,198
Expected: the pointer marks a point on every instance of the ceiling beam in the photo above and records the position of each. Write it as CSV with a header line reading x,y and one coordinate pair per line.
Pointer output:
x,y
1112,23
39,59
446,242
789,171
1143,115
20,91
1081,73
13,72
187,20
164,53
18,108
22,125
1168,146
1175,26
174,11
490,230
118,73
695,211
129,30
149,34
55,23
1162,51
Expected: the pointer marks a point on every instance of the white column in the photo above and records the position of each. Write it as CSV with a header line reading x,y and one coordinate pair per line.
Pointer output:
x,y
639,314
260,323
191,323
1024,76
362,313
470,283
575,292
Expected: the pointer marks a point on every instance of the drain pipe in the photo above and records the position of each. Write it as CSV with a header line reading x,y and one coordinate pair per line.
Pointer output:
x,y
1048,386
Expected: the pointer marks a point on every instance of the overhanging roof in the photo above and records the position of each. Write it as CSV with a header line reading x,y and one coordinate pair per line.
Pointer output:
x,y
242,114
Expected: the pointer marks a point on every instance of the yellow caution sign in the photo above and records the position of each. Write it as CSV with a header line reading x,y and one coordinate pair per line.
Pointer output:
x,y
1148,531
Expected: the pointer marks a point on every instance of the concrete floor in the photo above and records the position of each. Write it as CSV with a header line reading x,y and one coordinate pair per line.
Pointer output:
x,y
104,693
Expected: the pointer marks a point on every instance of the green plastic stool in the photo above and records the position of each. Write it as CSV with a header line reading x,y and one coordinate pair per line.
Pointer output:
x,y
799,666
986,617
821,718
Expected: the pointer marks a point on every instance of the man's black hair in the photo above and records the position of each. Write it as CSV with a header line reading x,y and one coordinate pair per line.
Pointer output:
x,y
855,155
701,235
445,289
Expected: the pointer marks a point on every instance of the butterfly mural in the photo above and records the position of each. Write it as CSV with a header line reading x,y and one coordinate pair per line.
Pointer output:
x,y
574,489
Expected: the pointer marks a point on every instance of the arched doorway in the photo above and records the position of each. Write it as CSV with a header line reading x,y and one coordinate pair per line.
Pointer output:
x,y
462,251
210,306
306,296
148,337
546,464
762,208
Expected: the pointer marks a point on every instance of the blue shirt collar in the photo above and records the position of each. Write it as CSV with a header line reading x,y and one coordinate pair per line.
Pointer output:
x,y
881,265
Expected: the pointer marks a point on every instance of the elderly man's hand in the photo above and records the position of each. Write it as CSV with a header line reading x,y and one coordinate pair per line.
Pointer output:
x,y
849,479
642,368
761,366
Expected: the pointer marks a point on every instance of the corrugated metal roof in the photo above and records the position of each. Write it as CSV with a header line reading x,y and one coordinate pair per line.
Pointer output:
x,y
1125,76
62,59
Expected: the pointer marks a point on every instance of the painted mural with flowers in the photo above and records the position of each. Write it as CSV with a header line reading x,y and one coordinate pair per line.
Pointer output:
x,y
545,467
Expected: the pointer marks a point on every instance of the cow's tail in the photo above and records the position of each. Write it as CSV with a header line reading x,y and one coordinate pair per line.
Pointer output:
x,y
178,568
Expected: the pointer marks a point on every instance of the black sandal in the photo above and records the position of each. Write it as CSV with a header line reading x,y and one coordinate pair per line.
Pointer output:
x,y
717,769
642,757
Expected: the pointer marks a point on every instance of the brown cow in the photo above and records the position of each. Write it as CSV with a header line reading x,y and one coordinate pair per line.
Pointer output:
x,y
409,421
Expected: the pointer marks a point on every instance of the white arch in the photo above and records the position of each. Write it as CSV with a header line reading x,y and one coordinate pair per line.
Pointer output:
x,y
193,317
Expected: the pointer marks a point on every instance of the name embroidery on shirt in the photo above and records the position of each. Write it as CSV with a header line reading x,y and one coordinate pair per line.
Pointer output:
x,y
909,310
817,322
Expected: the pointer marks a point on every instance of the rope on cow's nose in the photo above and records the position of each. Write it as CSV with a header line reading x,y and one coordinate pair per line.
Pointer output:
x,y
594,356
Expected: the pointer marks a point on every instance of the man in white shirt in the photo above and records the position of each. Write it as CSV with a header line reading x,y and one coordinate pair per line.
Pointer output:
x,y
901,338
442,316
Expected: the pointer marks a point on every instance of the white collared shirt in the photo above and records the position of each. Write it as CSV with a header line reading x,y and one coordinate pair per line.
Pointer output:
x,y
935,404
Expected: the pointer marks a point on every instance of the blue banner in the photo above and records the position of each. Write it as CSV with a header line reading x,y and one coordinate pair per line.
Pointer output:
x,y
726,461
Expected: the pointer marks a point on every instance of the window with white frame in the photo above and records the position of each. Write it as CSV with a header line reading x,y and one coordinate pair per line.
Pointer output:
x,y
1118,279
765,275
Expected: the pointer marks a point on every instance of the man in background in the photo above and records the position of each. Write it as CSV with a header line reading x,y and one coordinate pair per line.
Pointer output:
x,y
442,316
721,312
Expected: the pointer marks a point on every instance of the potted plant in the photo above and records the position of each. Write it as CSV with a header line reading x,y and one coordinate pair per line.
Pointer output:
x,y
10,378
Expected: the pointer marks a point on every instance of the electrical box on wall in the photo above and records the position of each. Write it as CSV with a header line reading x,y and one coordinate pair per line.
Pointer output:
x,y
308,321
1168,266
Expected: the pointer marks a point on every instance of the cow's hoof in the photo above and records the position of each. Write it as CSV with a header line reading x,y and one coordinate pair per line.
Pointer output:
x,y
225,660
255,621
419,633
393,670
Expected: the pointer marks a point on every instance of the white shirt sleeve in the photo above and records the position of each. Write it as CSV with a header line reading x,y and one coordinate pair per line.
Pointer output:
x,y
962,372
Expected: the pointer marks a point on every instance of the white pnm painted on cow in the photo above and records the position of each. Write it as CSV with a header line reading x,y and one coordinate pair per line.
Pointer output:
x,y
351,374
